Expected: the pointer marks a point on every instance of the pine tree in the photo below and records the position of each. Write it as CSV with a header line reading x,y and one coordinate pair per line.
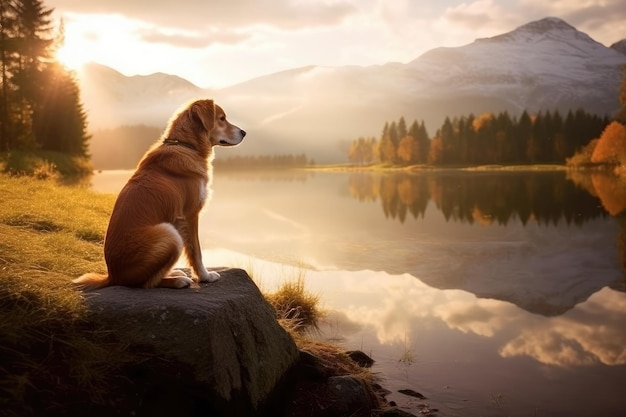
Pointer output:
x,y
40,104
8,57
62,123
401,129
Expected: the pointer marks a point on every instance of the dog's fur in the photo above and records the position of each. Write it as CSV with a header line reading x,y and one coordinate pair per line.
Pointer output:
x,y
155,216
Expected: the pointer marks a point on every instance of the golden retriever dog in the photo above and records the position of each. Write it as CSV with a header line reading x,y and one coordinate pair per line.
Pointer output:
x,y
155,216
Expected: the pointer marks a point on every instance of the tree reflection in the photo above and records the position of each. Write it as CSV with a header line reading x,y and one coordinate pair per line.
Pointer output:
x,y
546,198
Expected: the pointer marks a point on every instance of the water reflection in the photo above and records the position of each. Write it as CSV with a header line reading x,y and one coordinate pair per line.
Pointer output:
x,y
485,198
523,303
480,347
608,188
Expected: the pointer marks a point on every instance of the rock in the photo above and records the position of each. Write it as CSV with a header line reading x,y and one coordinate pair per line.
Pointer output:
x,y
312,368
218,345
411,393
362,359
349,396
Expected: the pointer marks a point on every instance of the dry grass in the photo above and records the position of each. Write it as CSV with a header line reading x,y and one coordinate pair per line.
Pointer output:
x,y
46,165
48,353
295,305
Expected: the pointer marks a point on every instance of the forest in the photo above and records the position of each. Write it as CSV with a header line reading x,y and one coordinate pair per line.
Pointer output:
x,y
578,138
40,108
543,138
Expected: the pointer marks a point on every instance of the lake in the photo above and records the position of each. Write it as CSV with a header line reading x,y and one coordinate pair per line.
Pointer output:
x,y
491,293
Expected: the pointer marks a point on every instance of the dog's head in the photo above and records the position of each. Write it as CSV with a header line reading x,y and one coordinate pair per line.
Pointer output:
x,y
212,119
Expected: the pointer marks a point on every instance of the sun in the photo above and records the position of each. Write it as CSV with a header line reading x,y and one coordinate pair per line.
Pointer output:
x,y
72,57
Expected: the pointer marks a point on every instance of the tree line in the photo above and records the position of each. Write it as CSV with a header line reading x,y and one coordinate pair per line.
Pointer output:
x,y
40,106
545,137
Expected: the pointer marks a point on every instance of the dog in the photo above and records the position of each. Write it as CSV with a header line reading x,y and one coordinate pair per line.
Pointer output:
x,y
155,216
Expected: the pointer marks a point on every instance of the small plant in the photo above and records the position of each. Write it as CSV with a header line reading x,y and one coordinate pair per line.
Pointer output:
x,y
45,171
408,357
293,303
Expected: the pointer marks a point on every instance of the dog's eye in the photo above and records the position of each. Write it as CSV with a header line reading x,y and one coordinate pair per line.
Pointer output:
x,y
222,118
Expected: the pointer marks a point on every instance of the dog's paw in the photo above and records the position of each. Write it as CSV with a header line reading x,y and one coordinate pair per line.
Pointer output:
x,y
176,273
210,276
181,281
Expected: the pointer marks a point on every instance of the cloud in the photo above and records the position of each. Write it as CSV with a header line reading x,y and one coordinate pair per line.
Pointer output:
x,y
196,40
603,20
484,18
287,14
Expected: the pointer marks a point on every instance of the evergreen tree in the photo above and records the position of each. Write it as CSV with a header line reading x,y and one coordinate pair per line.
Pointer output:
x,y
401,129
34,41
446,138
8,55
40,104
423,143
62,122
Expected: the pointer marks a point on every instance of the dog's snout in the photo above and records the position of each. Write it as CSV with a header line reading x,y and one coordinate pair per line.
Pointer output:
x,y
243,133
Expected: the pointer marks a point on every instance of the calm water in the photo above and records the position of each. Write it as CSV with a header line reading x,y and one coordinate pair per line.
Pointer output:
x,y
492,294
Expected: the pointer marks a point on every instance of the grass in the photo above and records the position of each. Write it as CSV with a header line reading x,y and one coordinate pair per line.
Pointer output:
x,y
50,355
47,165
295,305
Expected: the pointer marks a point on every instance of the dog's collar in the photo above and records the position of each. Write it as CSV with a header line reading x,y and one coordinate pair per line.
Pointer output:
x,y
169,141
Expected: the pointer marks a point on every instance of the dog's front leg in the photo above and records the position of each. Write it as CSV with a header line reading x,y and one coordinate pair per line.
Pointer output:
x,y
194,253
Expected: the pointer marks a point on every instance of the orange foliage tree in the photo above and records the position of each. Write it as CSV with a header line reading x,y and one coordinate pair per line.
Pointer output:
x,y
408,150
611,147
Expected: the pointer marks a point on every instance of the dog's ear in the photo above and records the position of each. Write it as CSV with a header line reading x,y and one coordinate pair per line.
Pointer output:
x,y
203,113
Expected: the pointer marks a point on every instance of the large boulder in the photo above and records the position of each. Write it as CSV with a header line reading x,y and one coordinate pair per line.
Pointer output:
x,y
220,349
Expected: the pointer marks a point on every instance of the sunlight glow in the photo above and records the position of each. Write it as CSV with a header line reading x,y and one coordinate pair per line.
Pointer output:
x,y
89,38
71,57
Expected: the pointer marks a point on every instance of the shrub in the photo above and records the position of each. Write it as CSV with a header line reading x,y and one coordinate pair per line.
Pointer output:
x,y
293,303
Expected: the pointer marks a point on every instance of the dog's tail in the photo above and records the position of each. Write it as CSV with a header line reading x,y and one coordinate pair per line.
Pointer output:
x,y
92,281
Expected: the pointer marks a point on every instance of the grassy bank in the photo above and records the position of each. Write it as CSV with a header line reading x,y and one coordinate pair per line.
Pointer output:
x,y
47,165
51,358
48,234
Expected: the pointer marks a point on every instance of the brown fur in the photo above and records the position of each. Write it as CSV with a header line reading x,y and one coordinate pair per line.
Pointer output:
x,y
156,214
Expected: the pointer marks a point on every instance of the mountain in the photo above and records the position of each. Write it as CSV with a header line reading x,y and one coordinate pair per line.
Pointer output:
x,y
620,46
543,65
112,99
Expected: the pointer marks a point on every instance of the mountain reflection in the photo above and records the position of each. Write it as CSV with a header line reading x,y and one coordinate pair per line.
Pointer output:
x,y
485,198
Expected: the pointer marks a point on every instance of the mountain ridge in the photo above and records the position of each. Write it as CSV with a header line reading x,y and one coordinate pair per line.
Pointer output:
x,y
542,65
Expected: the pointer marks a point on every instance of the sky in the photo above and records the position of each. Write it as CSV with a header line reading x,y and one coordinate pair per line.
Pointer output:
x,y
217,43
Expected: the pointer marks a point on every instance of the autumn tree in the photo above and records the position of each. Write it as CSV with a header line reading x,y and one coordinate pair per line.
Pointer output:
x,y
363,151
611,146
389,143
408,150
435,152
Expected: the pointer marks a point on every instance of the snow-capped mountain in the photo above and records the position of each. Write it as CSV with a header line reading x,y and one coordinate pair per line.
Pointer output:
x,y
543,65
